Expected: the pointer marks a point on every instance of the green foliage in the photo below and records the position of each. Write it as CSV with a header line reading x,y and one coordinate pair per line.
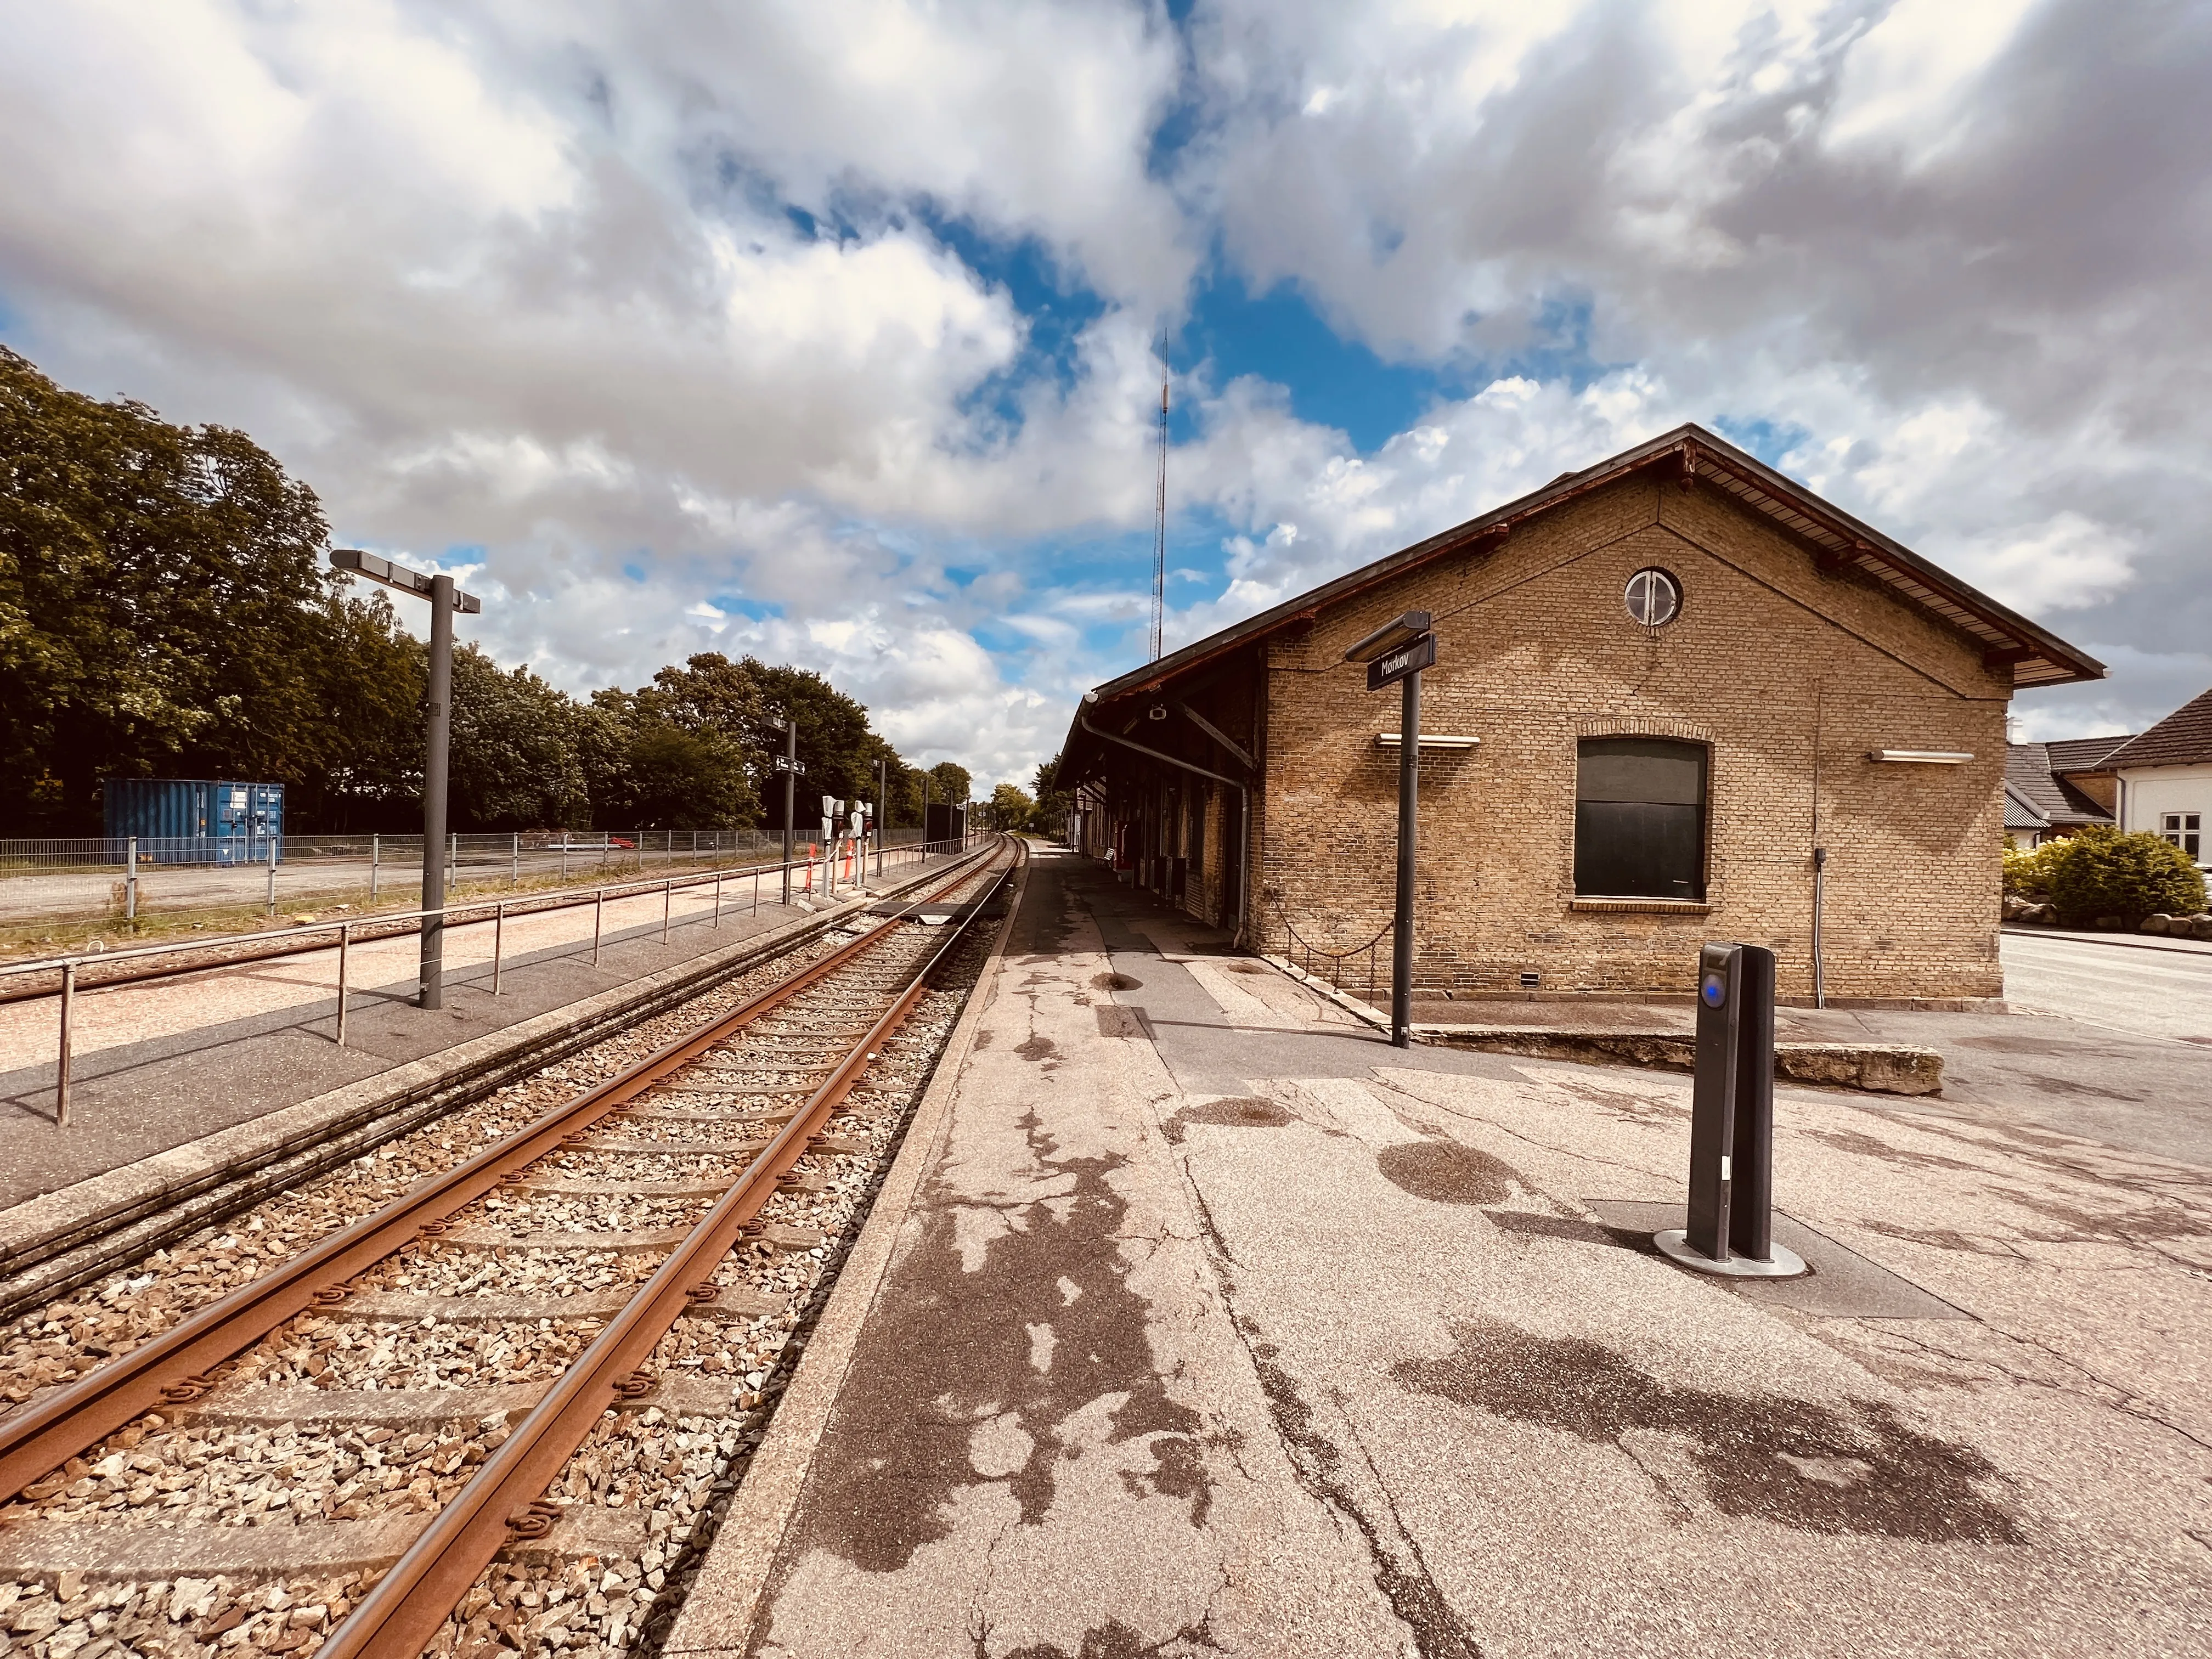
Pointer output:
x,y
166,610
1009,808
2101,872
515,762
835,743
2027,874
680,753
949,782
682,779
710,693
1053,802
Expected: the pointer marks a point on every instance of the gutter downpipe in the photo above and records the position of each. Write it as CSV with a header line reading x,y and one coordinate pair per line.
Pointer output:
x,y
1244,802
1820,871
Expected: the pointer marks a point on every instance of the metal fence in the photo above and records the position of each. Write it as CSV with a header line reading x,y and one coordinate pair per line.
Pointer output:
x,y
97,854
819,873
98,878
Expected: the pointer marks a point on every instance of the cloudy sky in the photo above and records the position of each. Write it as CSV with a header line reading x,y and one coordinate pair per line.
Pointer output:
x,y
826,330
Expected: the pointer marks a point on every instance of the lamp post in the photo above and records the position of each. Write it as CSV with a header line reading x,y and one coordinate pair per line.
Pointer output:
x,y
1395,653
445,599
788,763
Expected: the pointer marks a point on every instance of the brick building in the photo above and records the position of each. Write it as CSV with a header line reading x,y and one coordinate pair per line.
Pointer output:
x,y
1663,682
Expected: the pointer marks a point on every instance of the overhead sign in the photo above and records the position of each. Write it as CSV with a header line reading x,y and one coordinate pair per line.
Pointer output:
x,y
1405,659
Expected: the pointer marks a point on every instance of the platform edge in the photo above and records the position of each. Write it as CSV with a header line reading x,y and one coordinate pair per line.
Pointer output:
x,y
724,1602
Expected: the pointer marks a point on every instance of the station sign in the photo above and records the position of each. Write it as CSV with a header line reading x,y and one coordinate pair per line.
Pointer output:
x,y
1401,662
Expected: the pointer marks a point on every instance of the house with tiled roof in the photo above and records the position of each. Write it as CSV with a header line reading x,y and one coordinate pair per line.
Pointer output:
x,y
2057,789
2165,778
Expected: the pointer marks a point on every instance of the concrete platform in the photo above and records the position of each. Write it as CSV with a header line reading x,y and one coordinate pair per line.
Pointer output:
x,y
1192,1319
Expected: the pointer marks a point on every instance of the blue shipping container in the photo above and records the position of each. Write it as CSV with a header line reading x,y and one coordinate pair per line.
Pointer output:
x,y
194,820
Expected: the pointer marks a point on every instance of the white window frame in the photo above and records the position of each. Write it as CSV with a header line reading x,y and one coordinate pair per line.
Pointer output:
x,y
2184,830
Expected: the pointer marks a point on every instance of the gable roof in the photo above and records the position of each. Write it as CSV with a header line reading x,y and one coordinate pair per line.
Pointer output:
x,y
2182,738
2033,775
1836,540
2019,812
2084,754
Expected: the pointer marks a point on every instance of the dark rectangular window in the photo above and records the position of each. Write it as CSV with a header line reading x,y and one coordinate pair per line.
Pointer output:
x,y
1640,819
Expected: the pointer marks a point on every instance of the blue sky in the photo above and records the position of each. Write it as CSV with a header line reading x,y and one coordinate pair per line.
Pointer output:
x,y
828,333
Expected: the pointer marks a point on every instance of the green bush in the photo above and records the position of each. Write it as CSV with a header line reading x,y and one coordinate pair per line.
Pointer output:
x,y
2102,873
2027,874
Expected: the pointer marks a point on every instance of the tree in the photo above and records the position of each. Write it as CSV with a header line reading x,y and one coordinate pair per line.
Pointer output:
x,y
514,752
374,679
1009,808
835,743
645,771
709,693
164,607
1053,803
166,610
949,782
684,780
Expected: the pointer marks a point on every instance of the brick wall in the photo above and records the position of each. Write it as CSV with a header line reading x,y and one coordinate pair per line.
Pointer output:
x,y
1789,675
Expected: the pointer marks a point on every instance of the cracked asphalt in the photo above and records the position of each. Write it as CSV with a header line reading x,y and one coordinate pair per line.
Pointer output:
x,y
1228,1329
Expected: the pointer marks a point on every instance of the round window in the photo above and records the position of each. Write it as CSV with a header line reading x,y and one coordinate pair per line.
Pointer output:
x,y
1653,597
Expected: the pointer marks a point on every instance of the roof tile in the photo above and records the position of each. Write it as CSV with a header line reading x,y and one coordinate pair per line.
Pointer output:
x,y
2029,775
2182,738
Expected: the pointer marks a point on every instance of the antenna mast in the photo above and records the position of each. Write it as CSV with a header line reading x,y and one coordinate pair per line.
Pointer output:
x,y
1160,514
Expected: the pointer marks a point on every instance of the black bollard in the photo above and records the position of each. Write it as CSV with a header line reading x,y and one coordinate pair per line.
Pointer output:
x,y
1730,1227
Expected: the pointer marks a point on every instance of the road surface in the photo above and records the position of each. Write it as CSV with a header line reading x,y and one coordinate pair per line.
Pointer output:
x,y
2163,992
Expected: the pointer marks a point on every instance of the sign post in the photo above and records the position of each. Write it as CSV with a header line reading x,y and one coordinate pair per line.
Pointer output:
x,y
1395,653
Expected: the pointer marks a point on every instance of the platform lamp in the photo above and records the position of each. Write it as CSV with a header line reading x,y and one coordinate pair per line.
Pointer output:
x,y
445,599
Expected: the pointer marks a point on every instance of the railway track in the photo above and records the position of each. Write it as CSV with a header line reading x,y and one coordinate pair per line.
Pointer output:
x,y
495,1412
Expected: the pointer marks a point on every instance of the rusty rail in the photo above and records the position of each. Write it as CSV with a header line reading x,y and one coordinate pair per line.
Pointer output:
x,y
171,1368
505,1499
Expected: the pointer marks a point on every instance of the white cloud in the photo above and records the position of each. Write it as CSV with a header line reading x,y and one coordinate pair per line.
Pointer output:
x,y
539,280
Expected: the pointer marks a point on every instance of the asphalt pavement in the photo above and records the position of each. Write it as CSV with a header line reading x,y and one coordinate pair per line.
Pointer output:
x,y
2163,990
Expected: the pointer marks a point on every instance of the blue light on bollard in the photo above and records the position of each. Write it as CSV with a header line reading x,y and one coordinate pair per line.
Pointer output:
x,y
1732,1123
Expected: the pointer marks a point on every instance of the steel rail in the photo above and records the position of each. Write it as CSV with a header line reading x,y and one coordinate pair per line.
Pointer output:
x,y
505,1499
171,1368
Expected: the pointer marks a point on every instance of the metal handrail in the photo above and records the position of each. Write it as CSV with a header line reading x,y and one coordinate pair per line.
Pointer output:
x,y
554,899
1313,950
474,914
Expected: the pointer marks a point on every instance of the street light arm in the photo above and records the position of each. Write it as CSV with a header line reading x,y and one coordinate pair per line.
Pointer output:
x,y
374,567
